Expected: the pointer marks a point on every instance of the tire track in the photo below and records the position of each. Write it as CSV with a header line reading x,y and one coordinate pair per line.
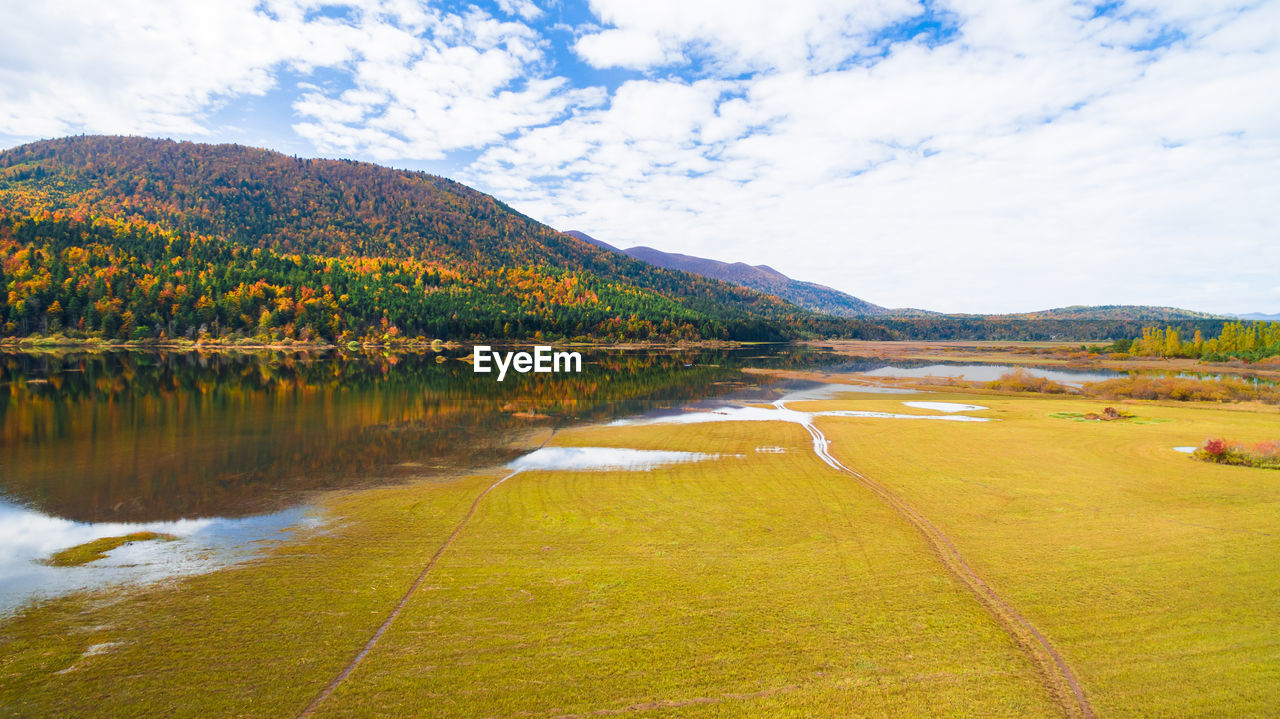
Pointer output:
x,y
368,646
1050,664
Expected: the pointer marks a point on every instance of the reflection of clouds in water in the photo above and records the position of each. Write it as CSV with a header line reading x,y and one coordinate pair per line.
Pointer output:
x,y
723,414
946,406
602,458
989,372
780,413
28,536
144,436
1185,450
832,391
890,415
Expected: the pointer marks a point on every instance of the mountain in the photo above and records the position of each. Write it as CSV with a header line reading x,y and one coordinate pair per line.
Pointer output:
x,y
1141,313
592,241
138,238
761,278
1261,316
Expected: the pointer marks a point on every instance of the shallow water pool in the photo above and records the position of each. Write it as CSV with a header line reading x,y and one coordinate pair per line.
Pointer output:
x,y
202,545
603,458
946,406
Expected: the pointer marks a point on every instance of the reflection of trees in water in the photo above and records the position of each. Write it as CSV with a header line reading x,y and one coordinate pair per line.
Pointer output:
x,y
134,436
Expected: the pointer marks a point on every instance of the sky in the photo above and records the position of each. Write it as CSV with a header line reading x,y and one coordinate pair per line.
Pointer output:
x,y
954,155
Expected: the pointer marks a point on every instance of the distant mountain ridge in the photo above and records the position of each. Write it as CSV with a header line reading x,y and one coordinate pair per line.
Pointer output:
x,y
1144,313
827,300
761,278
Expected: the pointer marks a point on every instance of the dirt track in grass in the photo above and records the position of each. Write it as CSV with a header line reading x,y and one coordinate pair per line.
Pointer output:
x,y
1054,670
373,640
1052,667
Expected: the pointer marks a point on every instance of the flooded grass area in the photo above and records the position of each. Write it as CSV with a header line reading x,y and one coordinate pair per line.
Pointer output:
x,y
46,556
96,549
226,451
716,556
573,459
946,406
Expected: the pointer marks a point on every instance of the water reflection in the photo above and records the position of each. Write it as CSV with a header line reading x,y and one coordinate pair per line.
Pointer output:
x,y
603,458
990,372
984,372
142,437
28,537
946,406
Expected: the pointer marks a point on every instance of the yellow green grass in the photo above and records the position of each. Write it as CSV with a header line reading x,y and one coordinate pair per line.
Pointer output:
x,y
252,640
748,586
758,584
1152,572
98,548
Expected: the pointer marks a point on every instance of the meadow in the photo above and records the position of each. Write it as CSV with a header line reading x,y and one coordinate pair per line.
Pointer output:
x,y
763,582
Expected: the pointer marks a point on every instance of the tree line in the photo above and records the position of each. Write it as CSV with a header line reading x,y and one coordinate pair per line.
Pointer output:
x,y
1249,341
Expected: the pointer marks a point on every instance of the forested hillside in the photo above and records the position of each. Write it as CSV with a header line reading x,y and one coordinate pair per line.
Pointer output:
x,y
127,238
1121,313
134,238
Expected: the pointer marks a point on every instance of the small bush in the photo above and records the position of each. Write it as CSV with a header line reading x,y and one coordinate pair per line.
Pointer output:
x,y
1265,455
1183,389
1021,380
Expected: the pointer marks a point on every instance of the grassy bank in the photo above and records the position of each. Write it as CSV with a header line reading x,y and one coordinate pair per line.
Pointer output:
x,y
1178,389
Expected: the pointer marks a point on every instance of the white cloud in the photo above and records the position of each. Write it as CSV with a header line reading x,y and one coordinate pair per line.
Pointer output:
x,y
1038,155
443,83
145,66
524,8
629,48
735,35
1038,160
412,81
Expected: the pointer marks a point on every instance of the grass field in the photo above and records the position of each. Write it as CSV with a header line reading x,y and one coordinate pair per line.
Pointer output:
x,y
756,584
1154,573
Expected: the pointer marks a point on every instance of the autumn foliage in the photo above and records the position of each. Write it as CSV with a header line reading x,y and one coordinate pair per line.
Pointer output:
x,y
1020,380
1250,341
1185,389
1264,454
139,239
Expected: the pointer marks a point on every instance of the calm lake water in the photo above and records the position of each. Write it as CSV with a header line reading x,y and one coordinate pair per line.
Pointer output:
x,y
989,372
985,372
223,450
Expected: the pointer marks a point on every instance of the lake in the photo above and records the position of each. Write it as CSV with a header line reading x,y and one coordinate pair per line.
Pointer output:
x,y
225,450
980,372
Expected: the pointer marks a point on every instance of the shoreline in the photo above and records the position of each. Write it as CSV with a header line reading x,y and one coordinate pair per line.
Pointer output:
x,y
1004,352
29,344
